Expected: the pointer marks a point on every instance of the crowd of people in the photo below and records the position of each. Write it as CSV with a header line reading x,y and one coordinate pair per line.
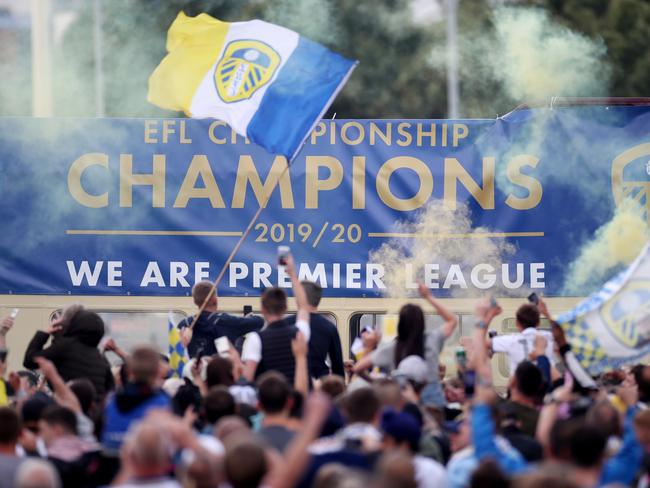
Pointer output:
x,y
269,402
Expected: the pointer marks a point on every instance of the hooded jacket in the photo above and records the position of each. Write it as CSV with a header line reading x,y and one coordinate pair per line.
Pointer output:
x,y
74,352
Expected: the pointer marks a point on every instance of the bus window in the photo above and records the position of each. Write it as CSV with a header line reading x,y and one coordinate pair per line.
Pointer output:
x,y
133,328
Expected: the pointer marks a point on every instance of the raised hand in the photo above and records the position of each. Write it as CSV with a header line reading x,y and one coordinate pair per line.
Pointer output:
x,y
6,325
423,290
299,345
46,366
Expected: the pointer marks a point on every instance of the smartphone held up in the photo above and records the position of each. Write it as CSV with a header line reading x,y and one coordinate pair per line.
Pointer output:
x,y
283,254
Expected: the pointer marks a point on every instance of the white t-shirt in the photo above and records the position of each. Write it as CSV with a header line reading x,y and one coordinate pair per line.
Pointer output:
x,y
429,473
519,346
252,350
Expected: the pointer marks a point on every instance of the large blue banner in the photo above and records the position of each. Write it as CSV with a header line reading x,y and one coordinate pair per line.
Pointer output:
x,y
148,207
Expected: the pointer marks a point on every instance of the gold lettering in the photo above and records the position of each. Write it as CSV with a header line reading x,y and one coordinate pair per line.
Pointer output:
x,y
444,135
156,180
402,130
375,131
455,172
199,166
167,129
534,187
383,183
344,133
150,130
460,131
74,180
247,173
318,131
313,184
358,182
183,139
421,134
211,132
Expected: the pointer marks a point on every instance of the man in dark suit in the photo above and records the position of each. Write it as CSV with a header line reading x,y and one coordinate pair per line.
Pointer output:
x,y
213,324
325,340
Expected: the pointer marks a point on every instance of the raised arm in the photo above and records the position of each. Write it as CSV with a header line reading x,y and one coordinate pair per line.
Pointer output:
x,y
298,291
36,345
451,321
299,349
483,428
111,345
5,326
548,414
62,392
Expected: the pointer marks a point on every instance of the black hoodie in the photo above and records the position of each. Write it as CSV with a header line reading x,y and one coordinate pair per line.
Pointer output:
x,y
74,352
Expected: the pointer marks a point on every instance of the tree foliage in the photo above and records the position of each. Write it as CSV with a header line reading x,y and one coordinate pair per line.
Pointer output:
x,y
402,71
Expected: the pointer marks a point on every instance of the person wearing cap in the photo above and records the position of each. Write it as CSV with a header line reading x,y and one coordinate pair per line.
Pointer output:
x,y
402,432
74,350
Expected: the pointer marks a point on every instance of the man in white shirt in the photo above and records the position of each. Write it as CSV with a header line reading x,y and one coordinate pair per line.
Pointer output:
x,y
519,346
270,349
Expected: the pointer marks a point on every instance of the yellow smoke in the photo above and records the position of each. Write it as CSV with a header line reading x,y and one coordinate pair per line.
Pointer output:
x,y
536,58
615,244
443,237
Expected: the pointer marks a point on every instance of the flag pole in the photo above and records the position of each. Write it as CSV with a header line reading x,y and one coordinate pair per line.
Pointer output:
x,y
265,201
267,197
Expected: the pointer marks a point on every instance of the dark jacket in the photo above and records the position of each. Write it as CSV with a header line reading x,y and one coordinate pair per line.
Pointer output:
x,y
277,354
324,341
212,325
74,352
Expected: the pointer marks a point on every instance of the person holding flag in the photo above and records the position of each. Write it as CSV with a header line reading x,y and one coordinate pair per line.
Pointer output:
x,y
267,82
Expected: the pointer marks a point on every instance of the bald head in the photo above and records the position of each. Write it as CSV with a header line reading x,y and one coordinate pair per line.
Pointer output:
x,y
37,473
148,448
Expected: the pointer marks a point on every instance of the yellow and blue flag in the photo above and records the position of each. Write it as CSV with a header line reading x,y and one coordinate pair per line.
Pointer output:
x,y
611,328
267,82
178,357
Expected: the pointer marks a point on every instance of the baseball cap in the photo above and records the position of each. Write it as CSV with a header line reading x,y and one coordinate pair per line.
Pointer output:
x,y
401,426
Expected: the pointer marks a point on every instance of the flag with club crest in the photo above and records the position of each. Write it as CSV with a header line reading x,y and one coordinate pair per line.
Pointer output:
x,y
267,82
611,328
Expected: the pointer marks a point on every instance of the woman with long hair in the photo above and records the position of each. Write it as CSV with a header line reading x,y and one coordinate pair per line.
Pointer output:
x,y
413,340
